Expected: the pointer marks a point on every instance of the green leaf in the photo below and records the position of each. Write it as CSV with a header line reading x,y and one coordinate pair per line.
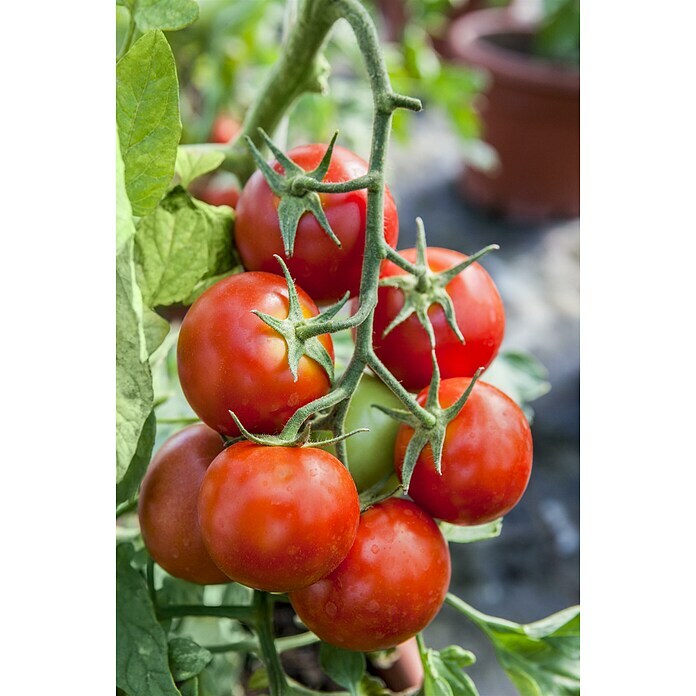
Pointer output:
x,y
177,591
521,376
345,667
168,15
258,680
125,229
183,242
444,675
147,116
134,393
156,329
192,162
129,484
142,667
189,687
540,658
187,659
371,686
467,535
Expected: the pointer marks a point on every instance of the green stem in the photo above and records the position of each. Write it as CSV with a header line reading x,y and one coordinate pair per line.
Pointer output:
x,y
281,644
242,613
298,70
263,609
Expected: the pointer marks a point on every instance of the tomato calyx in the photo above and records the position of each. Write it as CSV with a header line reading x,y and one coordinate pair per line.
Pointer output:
x,y
293,189
429,434
423,287
298,331
303,438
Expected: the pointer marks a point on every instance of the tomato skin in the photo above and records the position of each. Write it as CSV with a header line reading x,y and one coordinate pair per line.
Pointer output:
x,y
277,518
224,128
229,359
486,459
168,505
370,455
480,317
216,193
390,586
318,265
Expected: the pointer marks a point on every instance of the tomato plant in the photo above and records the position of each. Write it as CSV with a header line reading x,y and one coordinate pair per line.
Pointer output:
x,y
260,506
229,359
168,505
324,270
405,349
388,588
486,459
277,518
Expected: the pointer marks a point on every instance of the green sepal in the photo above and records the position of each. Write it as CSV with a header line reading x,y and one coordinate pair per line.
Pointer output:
x,y
433,435
295,199
297,346
425,288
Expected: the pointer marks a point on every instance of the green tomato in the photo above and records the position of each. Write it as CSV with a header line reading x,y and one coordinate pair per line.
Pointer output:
x,y
371,454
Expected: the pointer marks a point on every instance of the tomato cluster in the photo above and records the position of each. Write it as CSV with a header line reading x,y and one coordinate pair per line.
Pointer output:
x,y
288,518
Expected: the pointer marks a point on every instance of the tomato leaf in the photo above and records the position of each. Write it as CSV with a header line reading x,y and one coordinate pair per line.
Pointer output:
x,y
521,376
129,484
134,392
444,675
147,116
541,658
187,659
125,229
168,15
371,686
345,667
180,244
155,328
189,687
142,667
192,162
467,535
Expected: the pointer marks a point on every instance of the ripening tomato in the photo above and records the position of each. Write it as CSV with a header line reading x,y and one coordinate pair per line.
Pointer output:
x,y
217,189
318,265
480,317
168,505
224,128
229,359
390,586
371,454
486,459
277,518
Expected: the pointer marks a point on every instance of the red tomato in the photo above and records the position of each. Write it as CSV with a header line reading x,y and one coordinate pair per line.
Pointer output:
x,y
229,359
224,128
390,585
168,505
318,265
480,317
215,192
277,518
486,459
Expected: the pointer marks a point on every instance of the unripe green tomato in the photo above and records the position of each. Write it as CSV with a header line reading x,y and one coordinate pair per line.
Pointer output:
x,y
371,454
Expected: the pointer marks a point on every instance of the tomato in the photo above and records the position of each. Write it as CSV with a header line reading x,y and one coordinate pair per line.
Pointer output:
x,y
168,505
480,317
224,128
318,265
229,359
371,454
216,190
486,459
277,518
390,586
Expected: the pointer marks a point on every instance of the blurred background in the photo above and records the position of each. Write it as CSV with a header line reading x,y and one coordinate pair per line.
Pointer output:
x,y
493,158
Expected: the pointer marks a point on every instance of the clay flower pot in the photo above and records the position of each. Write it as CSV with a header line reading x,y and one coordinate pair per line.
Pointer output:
x,y
530,114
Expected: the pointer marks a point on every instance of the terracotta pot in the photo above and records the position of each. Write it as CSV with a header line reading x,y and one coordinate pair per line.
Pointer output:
x,y
531,116
404,672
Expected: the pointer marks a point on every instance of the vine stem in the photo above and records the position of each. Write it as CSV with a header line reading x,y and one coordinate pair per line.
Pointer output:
x,y
263,609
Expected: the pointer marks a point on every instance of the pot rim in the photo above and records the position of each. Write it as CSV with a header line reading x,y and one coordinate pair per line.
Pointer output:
x,y
466,39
